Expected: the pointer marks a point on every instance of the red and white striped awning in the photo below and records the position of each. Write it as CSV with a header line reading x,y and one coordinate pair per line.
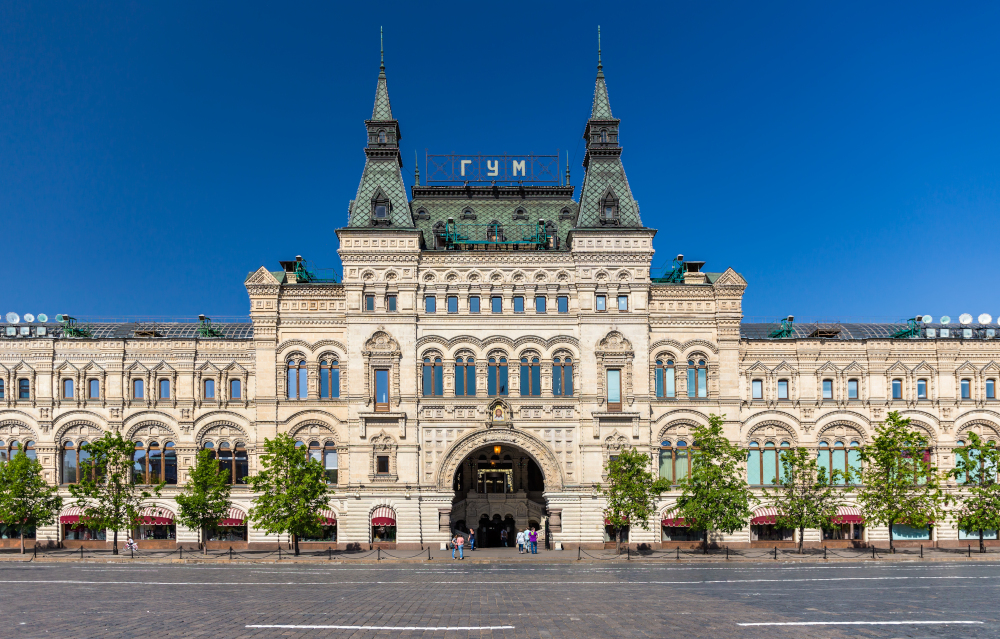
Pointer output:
x,y
607,522
848,515
764,515
152,515
234,517
329,517
383,516
670,521
71,515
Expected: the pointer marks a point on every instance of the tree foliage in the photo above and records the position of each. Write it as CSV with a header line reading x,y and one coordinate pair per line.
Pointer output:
x,y
204,500
292,490
899,482
631,491
107,492
976,466
805,494
715,496
26,499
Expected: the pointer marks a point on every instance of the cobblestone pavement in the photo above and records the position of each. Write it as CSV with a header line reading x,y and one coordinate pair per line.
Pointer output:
x,y
453,599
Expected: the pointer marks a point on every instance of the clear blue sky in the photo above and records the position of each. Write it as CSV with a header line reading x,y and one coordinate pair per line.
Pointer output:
x,y
844,157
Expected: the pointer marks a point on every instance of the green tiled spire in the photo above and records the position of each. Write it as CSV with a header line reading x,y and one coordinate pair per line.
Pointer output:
x,y
605,199
381,187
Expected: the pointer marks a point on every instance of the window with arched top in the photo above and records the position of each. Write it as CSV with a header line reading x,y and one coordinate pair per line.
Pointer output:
x,y
329,378
232,459
494,232
604,136
609,209
843,458
675,459
496,379
153,463
76,463
531,376
697,377
764,466
433,377
326,454
298,379
465,376
67,389
381,136
665,378
562,376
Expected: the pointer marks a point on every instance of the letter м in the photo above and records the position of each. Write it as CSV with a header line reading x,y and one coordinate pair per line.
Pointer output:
x,y
518,165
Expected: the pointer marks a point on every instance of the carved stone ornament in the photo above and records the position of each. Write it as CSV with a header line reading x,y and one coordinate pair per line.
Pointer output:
x,y
499,415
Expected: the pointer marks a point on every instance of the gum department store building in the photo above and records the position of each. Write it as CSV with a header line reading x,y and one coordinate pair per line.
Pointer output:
x,y
490,345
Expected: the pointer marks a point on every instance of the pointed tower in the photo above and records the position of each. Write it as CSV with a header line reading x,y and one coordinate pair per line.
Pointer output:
x,y
605,199
381,199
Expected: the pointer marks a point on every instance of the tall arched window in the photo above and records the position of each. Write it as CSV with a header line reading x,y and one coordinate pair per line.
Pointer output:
x,y
562,376
153,464
75,463
241,465
675,460
665,380
381,136
433,377
226,459
329,379
697,378
298,379
531,377
604,136
496,381
465,376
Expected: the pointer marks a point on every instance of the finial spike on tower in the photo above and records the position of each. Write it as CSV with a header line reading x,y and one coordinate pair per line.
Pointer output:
x,y
416,168
381,47
599,67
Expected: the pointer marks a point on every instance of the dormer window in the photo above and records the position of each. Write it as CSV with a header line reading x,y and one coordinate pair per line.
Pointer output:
x,y
565,214
609,208
381,209
381,136
520,214
468,214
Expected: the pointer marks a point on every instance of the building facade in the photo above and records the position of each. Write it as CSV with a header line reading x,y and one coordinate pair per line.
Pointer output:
x,y
488,347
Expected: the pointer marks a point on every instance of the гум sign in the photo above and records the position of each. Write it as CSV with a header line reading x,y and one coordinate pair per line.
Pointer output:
x,y
493,168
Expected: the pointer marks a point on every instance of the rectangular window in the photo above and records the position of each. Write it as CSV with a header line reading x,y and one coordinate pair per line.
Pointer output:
x,y
390,303
1,389
381,211
539,303
852,389
614,377
897,389
430,304
827,389
602,303
137,389
382,389
452,304
67,388
93,389
782,389
209,389
921,389
518,304
23,388
991,392
164,389
622,303
330,465
382,464
369,303
235,390
966,389
496,304
758,389
562,304
474,304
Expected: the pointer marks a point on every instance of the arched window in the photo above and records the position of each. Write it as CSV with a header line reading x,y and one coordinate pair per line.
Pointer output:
x,y
329,379
433,377
665,379
153,464
531,377
604,136
93,389
226,459
67,389
381,136
562,376
697,378
241,465
675,460
164,389
330,462
23,388
465,376
609,209
75,463
496,381
298,379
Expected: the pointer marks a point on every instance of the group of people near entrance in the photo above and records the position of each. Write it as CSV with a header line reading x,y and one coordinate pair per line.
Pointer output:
x,y
527,542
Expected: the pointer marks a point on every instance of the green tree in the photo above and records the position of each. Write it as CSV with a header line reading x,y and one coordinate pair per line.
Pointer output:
x,y
805,494
899,482
26,500
976,466
107,492
715,496
630,492
204,500
292,490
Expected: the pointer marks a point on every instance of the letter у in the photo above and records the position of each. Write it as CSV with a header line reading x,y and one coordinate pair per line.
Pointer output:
x,y
494,167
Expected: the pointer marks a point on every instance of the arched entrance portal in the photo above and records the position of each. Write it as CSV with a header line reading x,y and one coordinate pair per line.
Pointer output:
x,y
497,487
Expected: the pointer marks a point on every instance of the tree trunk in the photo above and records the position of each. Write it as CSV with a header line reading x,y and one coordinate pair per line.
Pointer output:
x,y
802,534
114,548
295,540
982,546
22,538
204,540
618,541
705,546
891,546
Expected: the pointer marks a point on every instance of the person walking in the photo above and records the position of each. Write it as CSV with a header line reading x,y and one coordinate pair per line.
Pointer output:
x,y
458,543
520,542
503,537
472,539
533,538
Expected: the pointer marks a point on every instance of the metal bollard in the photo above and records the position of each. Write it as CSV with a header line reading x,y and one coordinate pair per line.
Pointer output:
x,y
776,553
230,553
727,553
678,553
579,553
81,552
873,552
428,553
378,557
628,553
182,552
329,553
279,552
970,551
921,551
35,552
131,552
824,552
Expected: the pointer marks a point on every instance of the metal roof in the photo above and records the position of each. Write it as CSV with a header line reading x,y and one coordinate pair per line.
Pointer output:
x,y
163,330
851,331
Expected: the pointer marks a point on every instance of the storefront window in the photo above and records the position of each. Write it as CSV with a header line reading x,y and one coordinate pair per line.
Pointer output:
x,y
329,533
228,533
156,531
80,532
680,533
383,533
